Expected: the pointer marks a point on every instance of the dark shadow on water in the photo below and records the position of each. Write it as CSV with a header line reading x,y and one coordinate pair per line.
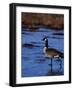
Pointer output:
x,y
54,73
25,33
27,45
60,34
55,37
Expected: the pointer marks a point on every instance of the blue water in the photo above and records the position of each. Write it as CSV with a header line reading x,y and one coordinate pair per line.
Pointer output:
x,y
34,61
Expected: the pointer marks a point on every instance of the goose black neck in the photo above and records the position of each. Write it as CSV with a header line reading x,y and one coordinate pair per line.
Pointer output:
x,y
46,43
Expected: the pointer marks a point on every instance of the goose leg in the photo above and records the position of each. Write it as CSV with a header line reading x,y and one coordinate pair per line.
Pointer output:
x,y
51,64
60,64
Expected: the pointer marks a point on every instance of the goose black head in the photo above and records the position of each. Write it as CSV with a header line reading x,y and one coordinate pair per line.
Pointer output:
x,y
45,38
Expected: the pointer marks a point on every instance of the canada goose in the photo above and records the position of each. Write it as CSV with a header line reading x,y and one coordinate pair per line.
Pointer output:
x,y
51,52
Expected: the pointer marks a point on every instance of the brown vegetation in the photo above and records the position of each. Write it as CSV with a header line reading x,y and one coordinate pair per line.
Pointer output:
x,y
55,21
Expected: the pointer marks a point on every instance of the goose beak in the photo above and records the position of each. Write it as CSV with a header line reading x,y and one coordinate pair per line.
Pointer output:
x,y
44,38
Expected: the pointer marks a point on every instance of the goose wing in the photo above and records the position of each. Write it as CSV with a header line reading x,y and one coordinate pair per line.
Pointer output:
x,y
54,52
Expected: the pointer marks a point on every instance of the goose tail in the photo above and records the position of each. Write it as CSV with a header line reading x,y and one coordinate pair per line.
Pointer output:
x,y
62,55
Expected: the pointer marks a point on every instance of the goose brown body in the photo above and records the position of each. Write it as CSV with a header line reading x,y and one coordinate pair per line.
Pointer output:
x,y
51,52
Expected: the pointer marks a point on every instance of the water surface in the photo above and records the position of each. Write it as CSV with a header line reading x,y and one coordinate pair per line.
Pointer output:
x,y
34,62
